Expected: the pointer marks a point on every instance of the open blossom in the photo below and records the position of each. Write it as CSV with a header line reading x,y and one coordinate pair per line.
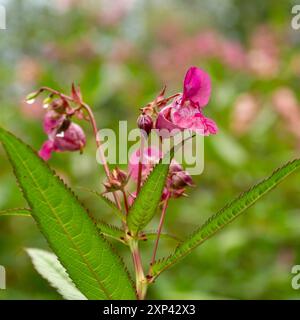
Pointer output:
x,y
63,135
185,112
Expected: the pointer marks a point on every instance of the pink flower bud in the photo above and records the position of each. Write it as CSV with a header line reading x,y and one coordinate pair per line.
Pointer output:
x,y
181,179
145,123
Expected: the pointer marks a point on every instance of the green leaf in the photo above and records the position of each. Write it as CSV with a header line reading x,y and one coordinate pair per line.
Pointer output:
x,y
88,258
48,266
111,231
144,206
225,216
153,235
16,212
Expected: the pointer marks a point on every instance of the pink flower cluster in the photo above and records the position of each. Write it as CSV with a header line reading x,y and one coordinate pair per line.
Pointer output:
x,y
180,111
260,57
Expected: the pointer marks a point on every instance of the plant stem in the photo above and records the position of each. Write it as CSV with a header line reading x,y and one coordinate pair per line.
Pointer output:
x,y
140,168
125,201
161,222
141,281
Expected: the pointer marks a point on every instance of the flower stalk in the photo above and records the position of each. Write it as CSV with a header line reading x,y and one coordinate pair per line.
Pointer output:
x,y
161,222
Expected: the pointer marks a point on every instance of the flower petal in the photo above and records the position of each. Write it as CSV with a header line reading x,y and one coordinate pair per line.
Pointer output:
x,y
46,150
196,87
166,127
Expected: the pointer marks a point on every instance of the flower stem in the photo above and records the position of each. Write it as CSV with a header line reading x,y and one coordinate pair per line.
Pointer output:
x,y
141,281
140,168
161,222
125,201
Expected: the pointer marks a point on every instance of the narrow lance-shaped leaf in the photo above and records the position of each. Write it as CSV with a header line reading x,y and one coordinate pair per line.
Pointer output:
x,y
48,266
225,216
111,231
88,258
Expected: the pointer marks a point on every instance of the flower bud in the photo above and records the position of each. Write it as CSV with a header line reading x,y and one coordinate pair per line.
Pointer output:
x,y
181,179
116,181
145,123
112,185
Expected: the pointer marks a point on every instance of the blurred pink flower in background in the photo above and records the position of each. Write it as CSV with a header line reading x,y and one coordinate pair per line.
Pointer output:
x,y
287,106
245,110
233,55
263,57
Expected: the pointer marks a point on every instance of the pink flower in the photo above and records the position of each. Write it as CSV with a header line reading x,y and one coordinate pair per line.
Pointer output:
x,y
150,157
185,112
63,135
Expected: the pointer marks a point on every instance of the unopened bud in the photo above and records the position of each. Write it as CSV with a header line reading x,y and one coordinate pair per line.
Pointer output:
x,y
145,123
116,181
181,179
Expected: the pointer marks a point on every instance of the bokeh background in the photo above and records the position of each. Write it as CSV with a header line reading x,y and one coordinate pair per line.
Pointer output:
x,y
122,52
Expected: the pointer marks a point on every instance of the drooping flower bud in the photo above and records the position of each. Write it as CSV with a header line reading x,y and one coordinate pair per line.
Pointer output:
x,y
181,179
144,122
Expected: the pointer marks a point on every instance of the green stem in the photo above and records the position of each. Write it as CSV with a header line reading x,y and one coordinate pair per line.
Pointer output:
x,y
141,281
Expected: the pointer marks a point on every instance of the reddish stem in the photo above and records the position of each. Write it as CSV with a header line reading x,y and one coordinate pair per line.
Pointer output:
x,y
140,168
161,222
125,201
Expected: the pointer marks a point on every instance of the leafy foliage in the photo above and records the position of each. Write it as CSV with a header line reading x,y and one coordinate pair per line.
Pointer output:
x,y
225,216
90,261
110,231
49,268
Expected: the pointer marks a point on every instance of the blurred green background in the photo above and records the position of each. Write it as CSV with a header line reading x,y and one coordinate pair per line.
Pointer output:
x,y
122,52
